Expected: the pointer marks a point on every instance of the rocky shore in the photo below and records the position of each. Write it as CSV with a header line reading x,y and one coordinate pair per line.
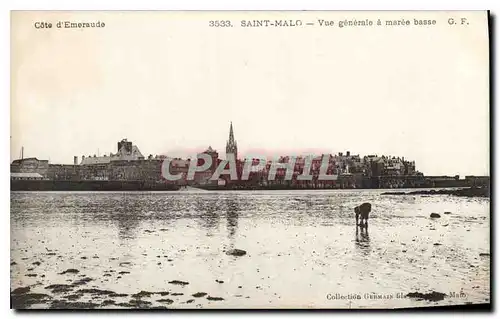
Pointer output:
x,y
78,295
462,192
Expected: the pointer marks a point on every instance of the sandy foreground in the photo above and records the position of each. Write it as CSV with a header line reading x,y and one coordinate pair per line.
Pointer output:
x,y
156,250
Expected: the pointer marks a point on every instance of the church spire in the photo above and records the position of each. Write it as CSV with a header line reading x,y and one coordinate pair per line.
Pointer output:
x,y
231,134
231,146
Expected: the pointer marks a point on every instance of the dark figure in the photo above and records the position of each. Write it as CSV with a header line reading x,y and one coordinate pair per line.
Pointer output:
x,y
362,211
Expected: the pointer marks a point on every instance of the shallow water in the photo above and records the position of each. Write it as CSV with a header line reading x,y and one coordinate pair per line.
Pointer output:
x,y
302,248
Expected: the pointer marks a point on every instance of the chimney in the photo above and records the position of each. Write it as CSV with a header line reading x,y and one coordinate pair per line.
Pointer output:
x,y
75,160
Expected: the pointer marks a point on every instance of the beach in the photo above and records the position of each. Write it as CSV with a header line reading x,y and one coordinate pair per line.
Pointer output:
x,y
302,250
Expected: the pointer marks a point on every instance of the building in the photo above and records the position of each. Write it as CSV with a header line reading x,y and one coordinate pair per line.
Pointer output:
x,y
231,146
127,151
180,166
129,164
30,165
203,178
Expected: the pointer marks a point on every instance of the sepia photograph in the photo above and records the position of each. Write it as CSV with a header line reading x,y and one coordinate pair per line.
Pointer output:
x,y
250,160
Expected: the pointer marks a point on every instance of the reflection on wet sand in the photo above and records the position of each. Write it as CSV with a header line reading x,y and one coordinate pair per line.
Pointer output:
x,y
127,225
232,209
362,240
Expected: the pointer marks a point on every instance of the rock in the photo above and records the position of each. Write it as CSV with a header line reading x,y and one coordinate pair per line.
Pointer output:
x,y
59,288
199,294
20,290
69,271
177,294
447,213
437,244
484,254
236,252
393,193
13,263
95,291
139,303
432,296
82,281
167,301
465,192
36,263
107,302
178,282
62,304
124,272
190,301
73,297
219,281
142,294
162,293
23,301
435,215
214,298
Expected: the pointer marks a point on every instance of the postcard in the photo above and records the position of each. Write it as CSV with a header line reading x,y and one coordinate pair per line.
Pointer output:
x,y
250,159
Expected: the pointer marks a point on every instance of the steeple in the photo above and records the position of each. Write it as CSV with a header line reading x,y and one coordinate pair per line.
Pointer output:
x,y
231,134
231,146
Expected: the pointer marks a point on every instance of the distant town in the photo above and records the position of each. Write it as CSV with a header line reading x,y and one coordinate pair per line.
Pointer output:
x,y
129,165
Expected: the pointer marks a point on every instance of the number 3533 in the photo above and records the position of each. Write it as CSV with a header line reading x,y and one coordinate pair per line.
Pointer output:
x,y
220,23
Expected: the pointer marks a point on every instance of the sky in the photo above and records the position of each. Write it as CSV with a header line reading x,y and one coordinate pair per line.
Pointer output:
x,y
171,84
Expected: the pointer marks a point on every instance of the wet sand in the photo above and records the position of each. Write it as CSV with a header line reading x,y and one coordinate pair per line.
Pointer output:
x,y
169,250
